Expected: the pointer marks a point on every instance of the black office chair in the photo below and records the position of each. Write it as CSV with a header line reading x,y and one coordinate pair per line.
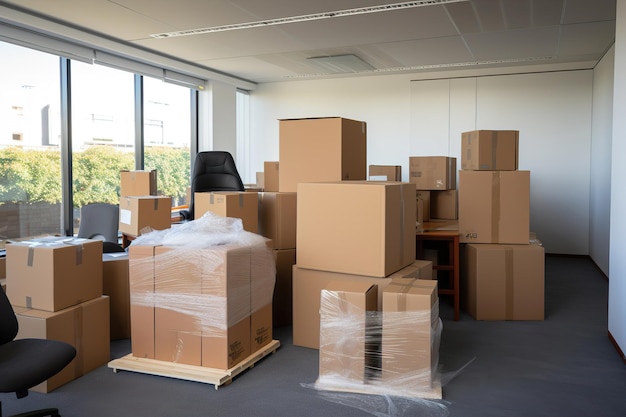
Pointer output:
x,y
101,221
25,363
213,171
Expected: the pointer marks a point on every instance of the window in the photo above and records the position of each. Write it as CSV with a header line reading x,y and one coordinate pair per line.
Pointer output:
x,y
30,178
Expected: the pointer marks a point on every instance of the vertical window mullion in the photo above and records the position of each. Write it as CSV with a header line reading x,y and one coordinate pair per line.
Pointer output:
x,y
66,146
139,127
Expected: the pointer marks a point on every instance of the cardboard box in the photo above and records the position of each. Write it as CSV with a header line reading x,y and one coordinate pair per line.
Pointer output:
x,y
503,282
236,204
84,326
283,289
356,227
443,205
432,172
115,285
321,149
385,173
54,273
141,288
262,284
139,214
308,283
494,207
260,180
138,183
346,352
423,205
270,176
490,150
411,333
277,218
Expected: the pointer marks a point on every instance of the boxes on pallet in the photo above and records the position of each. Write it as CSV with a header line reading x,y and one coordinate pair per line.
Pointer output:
x,y
141,214
504,282
494,207
356,227
53,273
277,218
321,149
85,326
206,302
432,172
238,204
307,284
138,182
490,150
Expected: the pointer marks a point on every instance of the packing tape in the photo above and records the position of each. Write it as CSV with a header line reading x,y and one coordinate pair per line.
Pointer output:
x,y
495,206
78,341
212,198
241,203
494,148
31,256
509,283
156,204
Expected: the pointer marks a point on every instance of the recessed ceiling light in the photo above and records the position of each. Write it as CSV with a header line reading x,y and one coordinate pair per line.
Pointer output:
x,y
306,17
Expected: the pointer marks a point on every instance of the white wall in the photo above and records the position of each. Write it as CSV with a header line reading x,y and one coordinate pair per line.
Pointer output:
x,y
552,110
617,260
600,189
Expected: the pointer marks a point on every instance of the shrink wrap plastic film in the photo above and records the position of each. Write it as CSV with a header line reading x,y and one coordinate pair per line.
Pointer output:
x,y
376,352
209,269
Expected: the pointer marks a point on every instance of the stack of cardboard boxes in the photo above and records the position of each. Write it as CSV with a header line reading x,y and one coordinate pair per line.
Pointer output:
x,y
55,287
355,238
503,271
435,182
141,209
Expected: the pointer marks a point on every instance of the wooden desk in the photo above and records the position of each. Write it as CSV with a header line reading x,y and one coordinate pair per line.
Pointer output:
x,y
450,235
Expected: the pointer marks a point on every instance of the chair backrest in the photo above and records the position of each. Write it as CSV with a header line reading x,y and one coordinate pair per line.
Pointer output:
x,y
214,171
99,221
8,320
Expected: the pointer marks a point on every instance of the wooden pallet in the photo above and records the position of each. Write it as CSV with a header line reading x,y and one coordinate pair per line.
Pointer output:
x,y
433,392
216,377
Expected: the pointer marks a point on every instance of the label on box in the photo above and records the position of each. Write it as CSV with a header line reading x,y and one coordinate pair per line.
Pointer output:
x,y
125,216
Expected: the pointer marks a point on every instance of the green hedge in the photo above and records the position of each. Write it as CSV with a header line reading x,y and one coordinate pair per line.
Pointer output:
x,y
29,176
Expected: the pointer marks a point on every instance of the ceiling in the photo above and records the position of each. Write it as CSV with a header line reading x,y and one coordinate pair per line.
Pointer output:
x,y
282,35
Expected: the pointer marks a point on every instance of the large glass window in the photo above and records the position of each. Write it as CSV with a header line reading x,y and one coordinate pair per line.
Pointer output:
x,y
167,136
103,133
30,156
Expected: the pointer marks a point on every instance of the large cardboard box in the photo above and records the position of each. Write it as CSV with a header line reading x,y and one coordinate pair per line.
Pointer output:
x,y
356,227
494,207
139,214
347,353
385,173
270,176
490,150
503,282
54,273
277,218
432,172
444,205
115,285
237,204
410,333
321,149
307,284
84,326
283,290
138,183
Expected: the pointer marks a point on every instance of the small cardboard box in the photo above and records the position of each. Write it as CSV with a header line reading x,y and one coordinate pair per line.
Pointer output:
x,y
237,204
84,326
307,284
385,173
346,352
490,150
443,204
356,227
115,285
410,333
138,183
277,218
145,213
504,282
270,176
494,207
321,149
432,172
54,273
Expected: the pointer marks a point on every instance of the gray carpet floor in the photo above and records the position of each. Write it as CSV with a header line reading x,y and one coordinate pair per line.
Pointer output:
x,y
562,366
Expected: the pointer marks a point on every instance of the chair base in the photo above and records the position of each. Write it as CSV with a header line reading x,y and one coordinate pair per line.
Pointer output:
x,y
44,412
